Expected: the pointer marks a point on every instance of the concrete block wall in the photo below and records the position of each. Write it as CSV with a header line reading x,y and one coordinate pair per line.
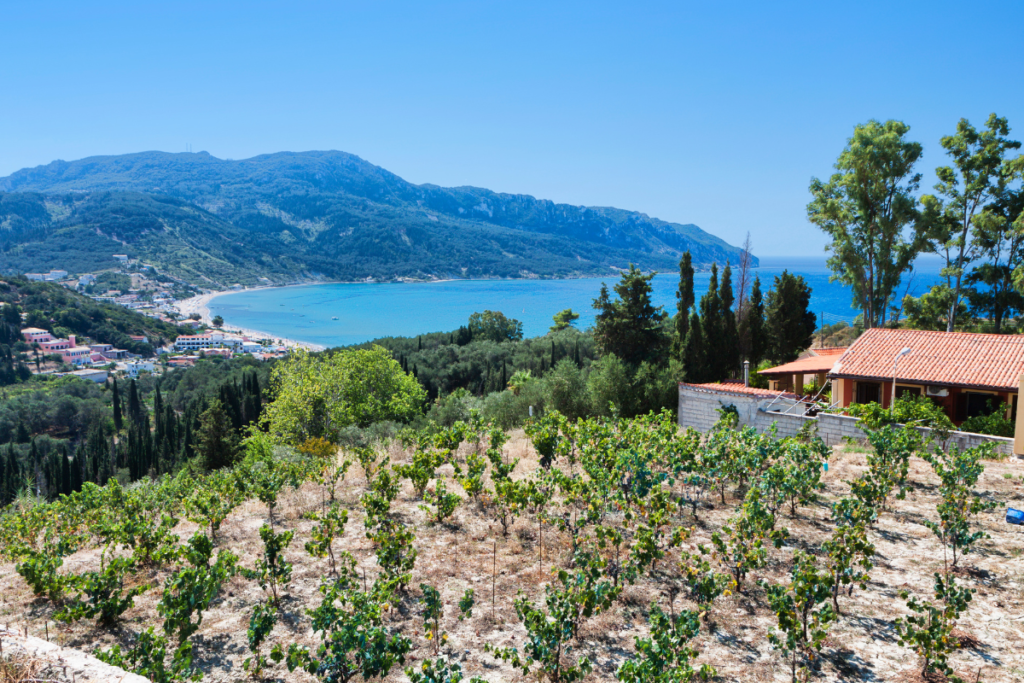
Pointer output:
x,y
698,409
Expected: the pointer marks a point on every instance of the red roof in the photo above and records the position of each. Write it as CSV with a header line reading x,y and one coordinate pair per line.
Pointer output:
x,y
837,351
811,364
738,390
990,361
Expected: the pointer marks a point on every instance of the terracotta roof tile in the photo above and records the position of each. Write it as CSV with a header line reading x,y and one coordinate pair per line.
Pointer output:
x,y
738,390
993,361
811,364
837,351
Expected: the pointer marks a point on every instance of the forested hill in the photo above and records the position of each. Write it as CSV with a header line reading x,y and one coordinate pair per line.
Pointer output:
x,y
331,215
51,307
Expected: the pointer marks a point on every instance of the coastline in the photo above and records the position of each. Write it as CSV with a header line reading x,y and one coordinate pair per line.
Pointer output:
x,y
201,305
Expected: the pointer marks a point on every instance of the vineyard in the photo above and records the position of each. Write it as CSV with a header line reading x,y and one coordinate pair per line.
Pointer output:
x,y
599,549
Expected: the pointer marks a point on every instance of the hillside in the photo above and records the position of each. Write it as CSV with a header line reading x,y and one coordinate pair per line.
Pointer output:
x,y
314,215
62,312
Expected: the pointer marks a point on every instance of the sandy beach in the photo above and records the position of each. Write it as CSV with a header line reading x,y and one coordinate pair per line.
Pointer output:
x,y
201,305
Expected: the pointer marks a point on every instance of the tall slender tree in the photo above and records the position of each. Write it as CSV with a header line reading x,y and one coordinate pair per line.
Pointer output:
x,y
684,302
713,329
695,357
752,332
730,352
118,418
65,472
964,192
999,233
866,209
788,317
631,327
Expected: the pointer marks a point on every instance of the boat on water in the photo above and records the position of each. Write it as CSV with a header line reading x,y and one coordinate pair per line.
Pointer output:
x,y
334,318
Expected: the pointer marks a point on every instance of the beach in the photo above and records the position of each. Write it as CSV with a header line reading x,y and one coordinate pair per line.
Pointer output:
x,y
201,305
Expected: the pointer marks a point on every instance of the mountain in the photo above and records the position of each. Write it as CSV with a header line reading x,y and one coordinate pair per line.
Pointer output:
x,y
314,215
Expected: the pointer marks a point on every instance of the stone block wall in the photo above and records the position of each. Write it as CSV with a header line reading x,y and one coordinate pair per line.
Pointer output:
x,y
698,409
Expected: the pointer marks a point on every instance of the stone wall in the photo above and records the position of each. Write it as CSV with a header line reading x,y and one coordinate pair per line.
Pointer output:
x,y
698,409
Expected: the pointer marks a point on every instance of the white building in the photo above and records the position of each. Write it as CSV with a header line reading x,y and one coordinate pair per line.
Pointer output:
x,y
212,340
134,367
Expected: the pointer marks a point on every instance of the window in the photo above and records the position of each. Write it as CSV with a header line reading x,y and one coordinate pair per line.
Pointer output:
x,y
909,392
978,404
869,392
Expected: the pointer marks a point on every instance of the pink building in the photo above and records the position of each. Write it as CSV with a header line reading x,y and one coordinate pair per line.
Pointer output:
x,y
55,345
76,355
34,334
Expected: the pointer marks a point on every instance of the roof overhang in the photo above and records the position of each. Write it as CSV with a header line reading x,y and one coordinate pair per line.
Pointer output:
x,y
929,383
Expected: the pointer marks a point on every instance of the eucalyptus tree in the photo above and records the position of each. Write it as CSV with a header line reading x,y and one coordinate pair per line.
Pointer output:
x,y
965,191
999,234
867,208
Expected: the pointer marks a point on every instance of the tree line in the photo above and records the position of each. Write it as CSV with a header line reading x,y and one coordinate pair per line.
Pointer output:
x,y
127,432
974,221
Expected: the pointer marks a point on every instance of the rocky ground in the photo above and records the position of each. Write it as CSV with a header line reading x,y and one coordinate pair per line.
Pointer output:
x,y
471,553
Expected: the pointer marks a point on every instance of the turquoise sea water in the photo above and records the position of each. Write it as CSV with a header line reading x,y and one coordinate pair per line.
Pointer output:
x,y
369,311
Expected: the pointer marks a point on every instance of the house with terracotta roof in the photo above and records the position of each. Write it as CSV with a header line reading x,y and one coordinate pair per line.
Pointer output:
x,y
961,372
793,376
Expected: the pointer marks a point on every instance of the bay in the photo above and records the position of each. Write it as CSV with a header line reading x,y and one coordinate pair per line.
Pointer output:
x,y
344,313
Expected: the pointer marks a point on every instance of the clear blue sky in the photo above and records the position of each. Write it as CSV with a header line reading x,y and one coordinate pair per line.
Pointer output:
x,y
711,113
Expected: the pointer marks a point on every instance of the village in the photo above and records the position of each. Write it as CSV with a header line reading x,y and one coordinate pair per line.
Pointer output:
x,y
139,287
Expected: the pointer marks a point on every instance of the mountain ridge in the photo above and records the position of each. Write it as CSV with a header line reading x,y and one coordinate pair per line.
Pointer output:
x,y
333,215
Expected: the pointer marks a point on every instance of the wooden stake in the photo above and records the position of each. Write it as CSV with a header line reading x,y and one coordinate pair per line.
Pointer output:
x,y
494,567
540,527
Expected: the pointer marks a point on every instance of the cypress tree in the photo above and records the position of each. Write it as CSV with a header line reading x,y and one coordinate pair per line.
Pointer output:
x,y
118,418
789,321
730,352
134,404
187,449
684,302
752,333
22,435
65,472
576,353
37,468
3,480
12,475
552,353
158,415
694,353
76,471
504,376
712,329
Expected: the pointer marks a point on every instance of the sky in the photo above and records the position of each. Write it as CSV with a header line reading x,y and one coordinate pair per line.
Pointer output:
x,y
717,114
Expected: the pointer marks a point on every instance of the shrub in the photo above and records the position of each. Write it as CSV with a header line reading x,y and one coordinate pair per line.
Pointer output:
x,y
958,470
103,593
666,656
261,623
322,535
272,570
444,503
354,639
929,631
148,658
802,624
191,590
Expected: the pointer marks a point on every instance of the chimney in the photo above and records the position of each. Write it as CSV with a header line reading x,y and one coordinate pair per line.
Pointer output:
x,y
71,338
746,373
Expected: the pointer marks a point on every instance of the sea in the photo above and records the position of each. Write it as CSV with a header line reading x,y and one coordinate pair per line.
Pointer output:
x,y
340,314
